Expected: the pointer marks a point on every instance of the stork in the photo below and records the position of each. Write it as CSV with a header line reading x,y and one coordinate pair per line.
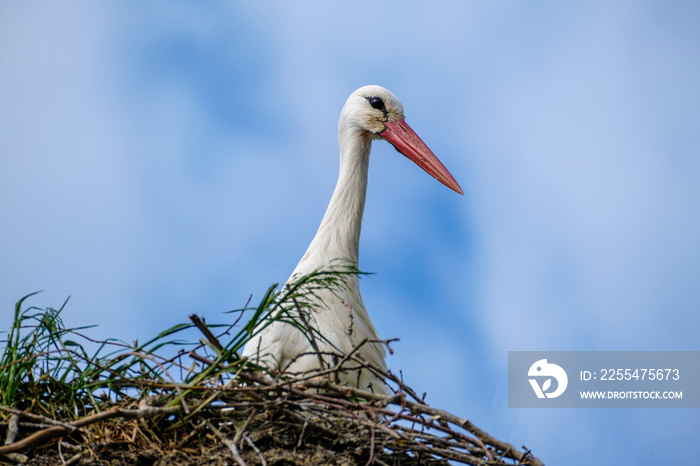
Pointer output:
x,y
370,113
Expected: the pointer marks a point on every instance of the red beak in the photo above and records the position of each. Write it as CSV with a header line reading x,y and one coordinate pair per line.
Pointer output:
x,y
406,141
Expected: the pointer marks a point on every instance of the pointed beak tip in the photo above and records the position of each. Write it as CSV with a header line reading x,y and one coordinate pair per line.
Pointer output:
x,y
454,186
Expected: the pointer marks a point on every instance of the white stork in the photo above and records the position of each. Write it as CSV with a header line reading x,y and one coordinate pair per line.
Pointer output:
x,y
370,113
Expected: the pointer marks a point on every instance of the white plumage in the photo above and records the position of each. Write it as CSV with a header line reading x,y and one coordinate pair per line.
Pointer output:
x,y
370,113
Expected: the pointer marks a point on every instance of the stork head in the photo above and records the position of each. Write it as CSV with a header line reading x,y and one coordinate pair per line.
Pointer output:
x,y
377,112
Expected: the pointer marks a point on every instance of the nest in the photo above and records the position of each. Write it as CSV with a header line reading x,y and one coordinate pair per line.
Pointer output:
x,y
205,405
257,421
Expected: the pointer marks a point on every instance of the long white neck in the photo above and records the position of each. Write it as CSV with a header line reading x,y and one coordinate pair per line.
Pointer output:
x,y
338,237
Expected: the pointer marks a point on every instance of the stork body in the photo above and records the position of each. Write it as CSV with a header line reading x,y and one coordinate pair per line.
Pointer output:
x,y
370,113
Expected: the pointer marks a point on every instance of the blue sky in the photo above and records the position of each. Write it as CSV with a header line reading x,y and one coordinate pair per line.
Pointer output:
x,y
173,158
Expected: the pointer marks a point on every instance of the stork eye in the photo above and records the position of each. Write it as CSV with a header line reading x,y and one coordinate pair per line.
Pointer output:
x,y
376,102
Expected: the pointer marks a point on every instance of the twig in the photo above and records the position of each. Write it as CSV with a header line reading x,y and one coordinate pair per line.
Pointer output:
x,y
197,429
207,333
165,371
36,417
12,429
75,459
231,444
257,450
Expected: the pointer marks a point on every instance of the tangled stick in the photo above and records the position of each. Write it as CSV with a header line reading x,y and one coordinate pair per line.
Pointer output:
x,y
59,430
